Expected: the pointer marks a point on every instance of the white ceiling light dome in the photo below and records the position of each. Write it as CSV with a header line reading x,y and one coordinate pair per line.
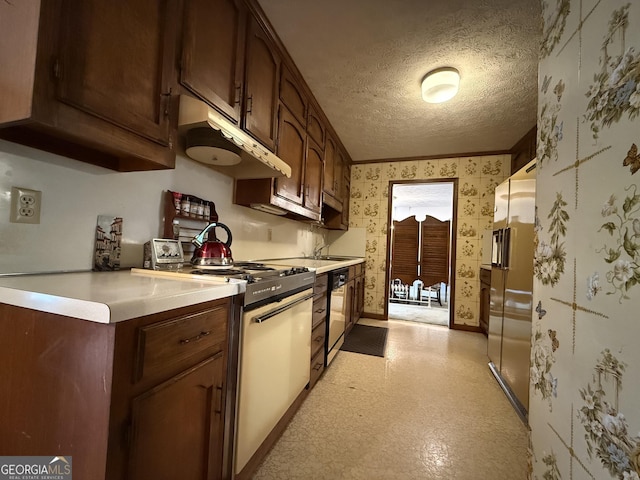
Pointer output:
x,y
440,85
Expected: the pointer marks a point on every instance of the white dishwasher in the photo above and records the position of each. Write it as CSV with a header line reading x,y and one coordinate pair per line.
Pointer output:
x,y
274,361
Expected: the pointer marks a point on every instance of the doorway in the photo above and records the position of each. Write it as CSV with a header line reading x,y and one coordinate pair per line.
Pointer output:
x,y
421,251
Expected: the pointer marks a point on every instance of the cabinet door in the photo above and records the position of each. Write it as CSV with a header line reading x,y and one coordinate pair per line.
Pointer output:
x,y
177,420
291,149
292,96
329,166
313,177
315,127
261,86
115,63
359,297
212,52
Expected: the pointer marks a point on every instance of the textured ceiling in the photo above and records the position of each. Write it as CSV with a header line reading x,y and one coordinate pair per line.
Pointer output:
x,y
364,61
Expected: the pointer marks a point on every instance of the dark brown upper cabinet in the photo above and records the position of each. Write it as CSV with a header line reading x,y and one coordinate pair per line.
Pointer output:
x,y
329,166
291,149
292,96
262,74
304,157
315,127
313,177
91,80
333,160
524,151
212,60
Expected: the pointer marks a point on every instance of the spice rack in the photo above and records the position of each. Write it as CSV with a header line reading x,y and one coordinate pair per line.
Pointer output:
x,y
189,226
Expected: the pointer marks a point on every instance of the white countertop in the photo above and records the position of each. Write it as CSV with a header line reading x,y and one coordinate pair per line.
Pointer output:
x,y
319,266
109,297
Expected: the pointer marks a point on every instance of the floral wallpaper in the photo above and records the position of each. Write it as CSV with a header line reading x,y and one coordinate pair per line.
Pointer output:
x,y
477,180
584,411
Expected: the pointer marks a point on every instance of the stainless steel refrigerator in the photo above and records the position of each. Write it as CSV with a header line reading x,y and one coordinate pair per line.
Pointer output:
x,y
509,337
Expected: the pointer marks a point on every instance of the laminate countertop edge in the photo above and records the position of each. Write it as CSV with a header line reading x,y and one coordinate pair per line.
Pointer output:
x,y
110,297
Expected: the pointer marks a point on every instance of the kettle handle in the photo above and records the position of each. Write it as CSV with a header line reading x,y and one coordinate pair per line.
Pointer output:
x,y
199,239
226,229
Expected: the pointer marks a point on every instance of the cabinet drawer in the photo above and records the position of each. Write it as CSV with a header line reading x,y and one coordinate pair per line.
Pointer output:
x,y
321,284
180,342
317,338
319,311
317,367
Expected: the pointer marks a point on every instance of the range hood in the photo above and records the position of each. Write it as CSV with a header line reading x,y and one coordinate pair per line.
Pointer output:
x,y
208,137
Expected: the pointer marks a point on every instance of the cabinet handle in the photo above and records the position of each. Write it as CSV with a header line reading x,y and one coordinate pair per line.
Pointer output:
x,y
249,103
320,310
167,102
236,100
218,408
317,366
196,338
318,338
306,190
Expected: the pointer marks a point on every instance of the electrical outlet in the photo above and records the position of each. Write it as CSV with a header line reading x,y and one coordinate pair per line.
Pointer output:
x,y
25,205
269,234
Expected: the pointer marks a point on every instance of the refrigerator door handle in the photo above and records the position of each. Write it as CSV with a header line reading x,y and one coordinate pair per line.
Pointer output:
x,y
506,253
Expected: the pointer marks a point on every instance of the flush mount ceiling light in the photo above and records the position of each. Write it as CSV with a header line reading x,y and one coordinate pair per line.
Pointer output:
x,y
440,85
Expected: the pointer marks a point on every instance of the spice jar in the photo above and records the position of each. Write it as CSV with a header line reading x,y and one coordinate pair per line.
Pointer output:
x,y
185,206
176,229
194,207
177,201
200,209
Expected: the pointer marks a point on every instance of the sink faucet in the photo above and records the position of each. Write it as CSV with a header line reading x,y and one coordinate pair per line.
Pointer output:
x,y
318,250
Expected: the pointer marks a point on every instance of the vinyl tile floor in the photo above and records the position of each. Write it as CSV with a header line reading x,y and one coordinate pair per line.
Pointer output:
x,y
429,410
435,315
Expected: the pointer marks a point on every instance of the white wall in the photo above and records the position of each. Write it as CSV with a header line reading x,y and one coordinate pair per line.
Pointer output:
x,y
75,193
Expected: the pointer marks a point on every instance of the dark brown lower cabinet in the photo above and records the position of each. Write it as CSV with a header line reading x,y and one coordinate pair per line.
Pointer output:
x,y
358,306
318,328
176,427
356,294
147,398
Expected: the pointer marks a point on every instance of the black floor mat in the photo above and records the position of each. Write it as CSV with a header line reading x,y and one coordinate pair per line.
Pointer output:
x,y
367,340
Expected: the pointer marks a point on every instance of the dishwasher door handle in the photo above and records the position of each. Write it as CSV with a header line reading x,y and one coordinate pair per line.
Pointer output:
x,y
279,310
